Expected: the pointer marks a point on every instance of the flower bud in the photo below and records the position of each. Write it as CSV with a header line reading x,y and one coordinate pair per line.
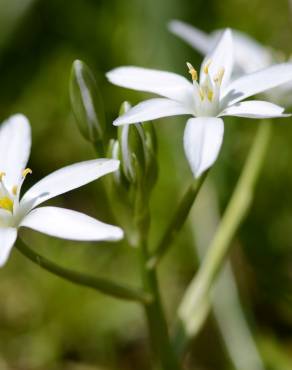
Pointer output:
x,y
137,143
122,195
150,145
136,149
87,104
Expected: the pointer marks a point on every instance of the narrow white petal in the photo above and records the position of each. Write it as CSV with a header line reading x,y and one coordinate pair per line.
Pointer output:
x,y
15,143
199,40
68,224
281,94
170,85
152,109
250,55
254,109
221,57
66,179
203,137
8,236
257,82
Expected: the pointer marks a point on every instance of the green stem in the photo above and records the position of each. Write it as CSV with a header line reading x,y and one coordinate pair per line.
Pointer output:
x,y
197,293
99,284
162,350
177,221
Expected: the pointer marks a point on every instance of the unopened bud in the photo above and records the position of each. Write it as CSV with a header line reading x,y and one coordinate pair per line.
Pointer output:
x,y
150,148
87,104
138,151
131,143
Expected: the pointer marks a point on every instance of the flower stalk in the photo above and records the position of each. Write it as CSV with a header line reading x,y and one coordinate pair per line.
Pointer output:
x,y
101,285
197,294
177,222
163,353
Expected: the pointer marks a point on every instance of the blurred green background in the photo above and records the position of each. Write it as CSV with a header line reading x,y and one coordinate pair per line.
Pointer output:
x,y
49,324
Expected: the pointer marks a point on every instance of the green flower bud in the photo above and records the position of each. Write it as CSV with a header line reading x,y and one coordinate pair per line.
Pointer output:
x,y
123,195
150,148
137,145
87,104
136,148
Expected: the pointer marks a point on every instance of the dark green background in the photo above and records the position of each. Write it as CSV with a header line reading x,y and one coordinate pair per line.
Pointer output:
x,y
48,324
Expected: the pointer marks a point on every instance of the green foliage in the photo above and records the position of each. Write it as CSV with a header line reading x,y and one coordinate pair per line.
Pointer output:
x,y
48,324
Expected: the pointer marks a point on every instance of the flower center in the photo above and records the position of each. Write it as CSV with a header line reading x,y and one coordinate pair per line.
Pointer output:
x,y
207,89
8,197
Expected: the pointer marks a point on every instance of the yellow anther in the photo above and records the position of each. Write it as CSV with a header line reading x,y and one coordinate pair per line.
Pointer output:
x,y
14,189
26,172
192,72
206,66
201,92
2,174
7,204
210,95
219,76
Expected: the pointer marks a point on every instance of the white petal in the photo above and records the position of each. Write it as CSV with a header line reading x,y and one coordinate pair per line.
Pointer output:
x,y
170,85
68,224
281,94
15,143
250,55
199,40
221,57
152,109
257,82
254,109
202,141
66,179
8,236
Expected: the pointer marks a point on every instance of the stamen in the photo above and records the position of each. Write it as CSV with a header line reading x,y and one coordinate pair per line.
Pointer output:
x,y
201,92
219,76
206,67
14,189
6,203
210,95
192,72
2,174
26,172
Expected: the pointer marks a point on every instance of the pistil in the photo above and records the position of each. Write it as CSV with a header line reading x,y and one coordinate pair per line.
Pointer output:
x,y
207,89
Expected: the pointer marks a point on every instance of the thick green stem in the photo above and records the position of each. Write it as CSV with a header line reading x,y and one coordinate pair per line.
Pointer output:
x,y
101,285
162,350
177,221
197,294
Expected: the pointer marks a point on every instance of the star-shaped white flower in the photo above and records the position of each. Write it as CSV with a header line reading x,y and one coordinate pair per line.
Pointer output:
x,y
16,212
208,99
249,54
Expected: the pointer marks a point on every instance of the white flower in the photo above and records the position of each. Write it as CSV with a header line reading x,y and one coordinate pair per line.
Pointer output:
x,y
207,99
249,55
15,143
